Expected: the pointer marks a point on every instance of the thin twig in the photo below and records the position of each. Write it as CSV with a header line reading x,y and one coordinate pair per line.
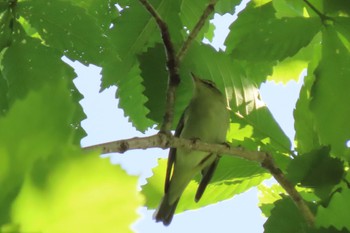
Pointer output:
x,y
172,65
193,34
319,13
269,164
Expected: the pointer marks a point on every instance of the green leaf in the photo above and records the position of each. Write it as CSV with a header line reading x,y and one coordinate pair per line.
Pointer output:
x,y
131,99
331,117
258,36
40,172
67,28
22,142
38,65
258,71
155,83
336,213
232,176
288,8
315,169
103,12
191,11
306,137
5,27
291,67
3,95
55,198
267,197
209,35
226,6
337,8
3,6
285,217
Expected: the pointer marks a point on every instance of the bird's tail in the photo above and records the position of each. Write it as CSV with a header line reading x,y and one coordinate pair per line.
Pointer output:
x,y
165,211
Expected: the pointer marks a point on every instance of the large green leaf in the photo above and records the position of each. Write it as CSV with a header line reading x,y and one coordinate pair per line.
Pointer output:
x,y
258,35
155,84
3,95
306,137
268,196
67,28
288,8
227,6
285,217
291,67
59,195
43,178
336,213
330,94
305,134
191,11
131,99
336,7
315,169
103,12
36,66
5,28
33,128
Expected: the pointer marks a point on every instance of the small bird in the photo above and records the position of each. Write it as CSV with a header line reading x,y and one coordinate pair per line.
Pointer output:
x,y
205,118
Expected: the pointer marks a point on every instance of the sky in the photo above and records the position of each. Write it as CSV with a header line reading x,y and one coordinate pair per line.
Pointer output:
x,y
105,122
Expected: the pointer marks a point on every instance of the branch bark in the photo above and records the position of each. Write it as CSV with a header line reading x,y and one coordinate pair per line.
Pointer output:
x,y
164,141
270,165
172,65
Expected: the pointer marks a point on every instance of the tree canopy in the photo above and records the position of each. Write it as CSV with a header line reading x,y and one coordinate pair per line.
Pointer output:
x,y
142,47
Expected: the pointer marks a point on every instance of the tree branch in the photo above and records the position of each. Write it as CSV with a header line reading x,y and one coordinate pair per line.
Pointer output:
x,y
269,164
172,65
193,34
164,141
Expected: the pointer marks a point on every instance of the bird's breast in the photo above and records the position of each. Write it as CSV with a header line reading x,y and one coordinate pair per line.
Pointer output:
x,y
207,121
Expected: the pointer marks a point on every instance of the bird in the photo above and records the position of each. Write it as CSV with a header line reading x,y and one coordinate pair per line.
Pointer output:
x,y
206,118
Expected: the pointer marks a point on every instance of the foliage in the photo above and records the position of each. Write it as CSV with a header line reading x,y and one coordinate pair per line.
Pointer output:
x,y
42,166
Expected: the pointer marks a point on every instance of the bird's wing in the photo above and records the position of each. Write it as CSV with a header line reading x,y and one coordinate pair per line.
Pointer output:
x,y
172,154
207,174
